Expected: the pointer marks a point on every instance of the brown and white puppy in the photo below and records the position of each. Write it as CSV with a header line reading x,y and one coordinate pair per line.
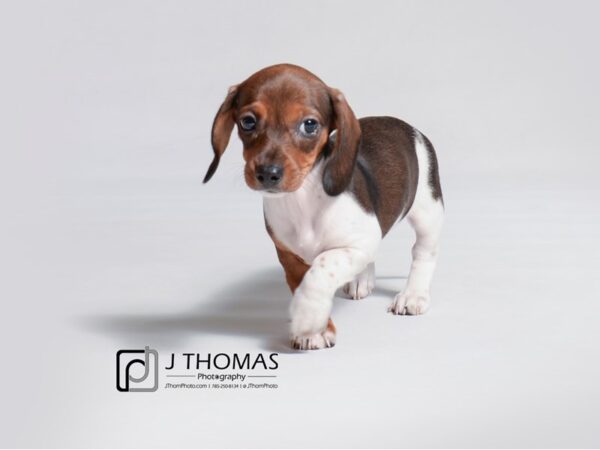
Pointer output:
x,y
333,186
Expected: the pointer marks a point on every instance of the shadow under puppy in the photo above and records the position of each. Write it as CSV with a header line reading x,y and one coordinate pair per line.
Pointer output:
x,y
332,188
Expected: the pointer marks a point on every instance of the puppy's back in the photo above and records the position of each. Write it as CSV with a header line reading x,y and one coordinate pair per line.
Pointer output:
x,y
387,171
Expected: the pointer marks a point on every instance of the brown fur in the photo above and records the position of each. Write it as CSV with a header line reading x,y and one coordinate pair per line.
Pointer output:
x,y
387,171
279,98
293,265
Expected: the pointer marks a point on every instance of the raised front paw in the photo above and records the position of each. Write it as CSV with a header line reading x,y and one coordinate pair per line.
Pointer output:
x,y
410,303
315,341
362,285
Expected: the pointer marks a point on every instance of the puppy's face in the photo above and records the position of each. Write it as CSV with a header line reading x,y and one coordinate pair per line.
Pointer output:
x,y
283,121
284,115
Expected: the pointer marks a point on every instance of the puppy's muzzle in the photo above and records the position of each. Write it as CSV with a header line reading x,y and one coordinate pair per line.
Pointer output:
x,y
269,176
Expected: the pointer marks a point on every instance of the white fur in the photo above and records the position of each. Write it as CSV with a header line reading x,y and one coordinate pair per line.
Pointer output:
x,y
362,285
332,234
314,341
338,239
426,216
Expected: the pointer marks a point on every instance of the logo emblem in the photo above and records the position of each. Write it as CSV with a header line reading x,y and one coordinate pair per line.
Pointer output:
x,y
137,370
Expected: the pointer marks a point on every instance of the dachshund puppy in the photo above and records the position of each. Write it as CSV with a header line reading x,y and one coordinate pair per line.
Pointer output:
x,y
332,188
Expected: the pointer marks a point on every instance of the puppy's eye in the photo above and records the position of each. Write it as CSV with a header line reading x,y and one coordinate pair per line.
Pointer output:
x,y
248,123
309,127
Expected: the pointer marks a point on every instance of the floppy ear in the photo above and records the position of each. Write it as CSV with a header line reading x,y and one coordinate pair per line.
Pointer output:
x,y
340,162
221,130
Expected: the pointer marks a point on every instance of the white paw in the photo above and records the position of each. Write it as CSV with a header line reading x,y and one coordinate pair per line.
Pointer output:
x,y
310,315
410,303
362,285
315,341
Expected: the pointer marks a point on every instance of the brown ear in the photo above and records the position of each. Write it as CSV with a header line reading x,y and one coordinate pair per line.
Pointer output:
x,y
340,162
221,130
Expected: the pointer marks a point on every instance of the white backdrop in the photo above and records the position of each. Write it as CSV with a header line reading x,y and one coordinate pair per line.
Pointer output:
x,y
109,240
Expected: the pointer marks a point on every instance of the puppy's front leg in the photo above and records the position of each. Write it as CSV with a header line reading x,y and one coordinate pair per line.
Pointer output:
x,y
311,305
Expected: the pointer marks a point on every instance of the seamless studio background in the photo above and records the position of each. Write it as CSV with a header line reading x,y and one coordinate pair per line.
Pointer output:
x,y
109,240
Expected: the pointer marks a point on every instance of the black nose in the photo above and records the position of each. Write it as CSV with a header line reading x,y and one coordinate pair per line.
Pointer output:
x,y
269,175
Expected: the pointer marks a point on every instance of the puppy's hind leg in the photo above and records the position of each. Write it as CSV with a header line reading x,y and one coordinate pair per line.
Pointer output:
x,y
415,297
362,285
426,217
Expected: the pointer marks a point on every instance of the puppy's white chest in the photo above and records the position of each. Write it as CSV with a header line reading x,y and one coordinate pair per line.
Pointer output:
x,y
297,224
304,239
309,222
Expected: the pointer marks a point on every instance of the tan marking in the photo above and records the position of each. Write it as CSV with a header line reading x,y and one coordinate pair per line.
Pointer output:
x,y
331,326
295,267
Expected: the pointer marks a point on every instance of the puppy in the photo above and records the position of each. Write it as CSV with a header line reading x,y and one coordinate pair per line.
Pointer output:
x,y
332,188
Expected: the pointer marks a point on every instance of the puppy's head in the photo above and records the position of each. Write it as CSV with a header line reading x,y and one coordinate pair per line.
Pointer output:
x,y
284,116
